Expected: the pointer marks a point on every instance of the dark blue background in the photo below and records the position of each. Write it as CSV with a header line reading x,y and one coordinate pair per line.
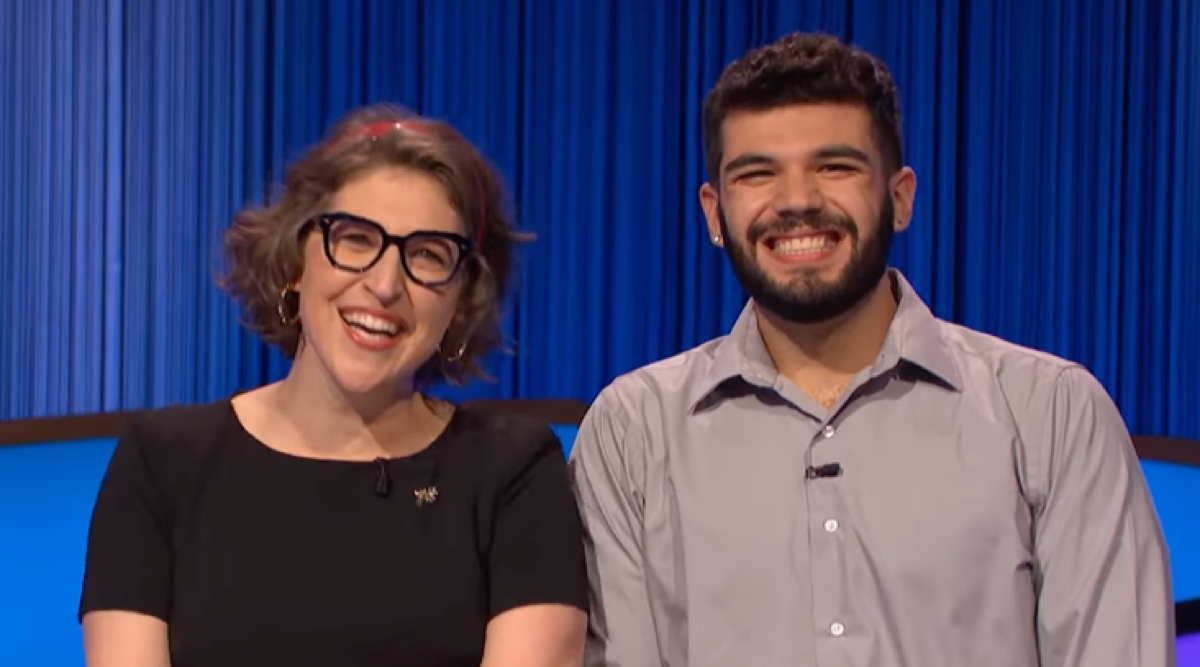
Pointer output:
x,y
1055,143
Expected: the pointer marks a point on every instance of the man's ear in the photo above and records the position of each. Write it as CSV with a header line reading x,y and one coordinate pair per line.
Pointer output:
x,y
902,186
710,203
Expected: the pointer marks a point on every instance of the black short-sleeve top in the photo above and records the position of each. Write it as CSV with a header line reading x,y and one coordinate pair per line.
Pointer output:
x,y
256,557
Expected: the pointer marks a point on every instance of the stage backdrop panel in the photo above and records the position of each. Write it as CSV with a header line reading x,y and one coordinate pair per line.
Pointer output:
x,y
47,492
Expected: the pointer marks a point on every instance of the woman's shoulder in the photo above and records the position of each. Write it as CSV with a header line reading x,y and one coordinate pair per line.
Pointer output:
x,y
175,434
504,442
179,421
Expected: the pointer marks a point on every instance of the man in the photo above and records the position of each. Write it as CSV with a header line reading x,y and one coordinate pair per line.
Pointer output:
x,y
845,480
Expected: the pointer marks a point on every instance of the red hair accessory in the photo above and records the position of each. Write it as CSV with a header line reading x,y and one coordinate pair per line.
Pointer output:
x,y
375,130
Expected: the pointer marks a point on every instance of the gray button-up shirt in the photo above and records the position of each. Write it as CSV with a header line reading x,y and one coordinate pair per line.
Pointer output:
x,y
990,510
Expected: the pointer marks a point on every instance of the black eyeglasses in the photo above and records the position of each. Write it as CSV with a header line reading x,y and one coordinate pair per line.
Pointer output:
x,y
356,244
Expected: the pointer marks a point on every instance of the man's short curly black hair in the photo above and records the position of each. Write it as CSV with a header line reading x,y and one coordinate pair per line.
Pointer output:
x,y
805,69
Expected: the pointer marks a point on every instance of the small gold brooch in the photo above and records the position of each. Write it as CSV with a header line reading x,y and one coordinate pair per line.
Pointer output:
x,y
426,496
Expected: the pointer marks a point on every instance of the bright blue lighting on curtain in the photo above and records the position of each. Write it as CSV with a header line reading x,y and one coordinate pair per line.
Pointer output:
x,y
1056,146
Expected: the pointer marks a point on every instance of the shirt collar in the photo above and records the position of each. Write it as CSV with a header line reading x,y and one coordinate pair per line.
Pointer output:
x,y
917,337
914,336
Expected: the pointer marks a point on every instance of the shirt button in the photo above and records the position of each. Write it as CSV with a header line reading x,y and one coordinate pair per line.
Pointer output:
x,y
831,525
829,431
837,629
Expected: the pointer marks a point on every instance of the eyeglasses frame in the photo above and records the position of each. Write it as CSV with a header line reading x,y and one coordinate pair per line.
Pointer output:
x,y
326,221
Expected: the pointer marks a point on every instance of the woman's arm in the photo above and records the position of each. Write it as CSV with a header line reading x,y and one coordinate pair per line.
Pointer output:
x,y
537,575
124,639
127,576
539,635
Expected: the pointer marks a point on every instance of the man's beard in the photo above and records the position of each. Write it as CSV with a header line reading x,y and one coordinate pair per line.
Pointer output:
x,y
807,299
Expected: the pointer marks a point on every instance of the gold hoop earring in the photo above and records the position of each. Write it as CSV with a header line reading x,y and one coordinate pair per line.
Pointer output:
x,y
281,308
457,356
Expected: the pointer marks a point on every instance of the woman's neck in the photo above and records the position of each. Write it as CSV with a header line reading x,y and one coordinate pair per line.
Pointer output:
x,y
309,411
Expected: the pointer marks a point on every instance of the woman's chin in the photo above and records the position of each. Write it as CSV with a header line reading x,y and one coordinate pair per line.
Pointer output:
x,y
365,376
370,384
360,379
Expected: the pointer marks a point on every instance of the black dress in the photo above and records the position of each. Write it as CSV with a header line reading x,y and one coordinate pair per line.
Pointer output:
x,y
255,557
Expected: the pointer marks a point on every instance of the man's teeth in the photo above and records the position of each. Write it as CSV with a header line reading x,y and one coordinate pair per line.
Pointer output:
x,y
371,324
813,243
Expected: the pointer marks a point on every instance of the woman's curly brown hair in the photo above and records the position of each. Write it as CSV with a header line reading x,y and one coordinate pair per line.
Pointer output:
x,y
263,248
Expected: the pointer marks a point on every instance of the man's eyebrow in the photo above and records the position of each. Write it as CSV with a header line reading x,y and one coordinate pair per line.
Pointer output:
x,y
844,151
747,160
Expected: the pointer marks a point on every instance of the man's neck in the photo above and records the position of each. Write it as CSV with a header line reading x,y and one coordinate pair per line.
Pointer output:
x,y
821,358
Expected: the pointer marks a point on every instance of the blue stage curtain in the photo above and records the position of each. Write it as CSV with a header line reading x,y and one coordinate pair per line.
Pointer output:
x,y
1057,146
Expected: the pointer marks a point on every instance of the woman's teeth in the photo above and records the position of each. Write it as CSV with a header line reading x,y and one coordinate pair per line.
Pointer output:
x,y
370,324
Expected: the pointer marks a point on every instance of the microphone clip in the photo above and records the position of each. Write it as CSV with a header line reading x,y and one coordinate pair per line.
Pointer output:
x,y
822,471
383,483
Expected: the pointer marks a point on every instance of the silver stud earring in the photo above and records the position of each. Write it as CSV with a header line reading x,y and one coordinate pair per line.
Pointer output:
x,y
716,239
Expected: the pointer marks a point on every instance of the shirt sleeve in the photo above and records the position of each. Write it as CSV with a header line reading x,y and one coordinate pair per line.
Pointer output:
x,y
128,561
621,625
536,555
1104,583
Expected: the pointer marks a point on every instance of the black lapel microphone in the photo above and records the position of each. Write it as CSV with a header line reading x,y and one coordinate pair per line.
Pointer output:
x,y
822,471
383,483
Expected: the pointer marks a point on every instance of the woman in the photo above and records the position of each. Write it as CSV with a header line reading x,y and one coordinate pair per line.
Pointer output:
x,y
341,517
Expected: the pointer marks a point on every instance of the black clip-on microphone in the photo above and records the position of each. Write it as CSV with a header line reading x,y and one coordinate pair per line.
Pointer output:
x,y
383,483
821,471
